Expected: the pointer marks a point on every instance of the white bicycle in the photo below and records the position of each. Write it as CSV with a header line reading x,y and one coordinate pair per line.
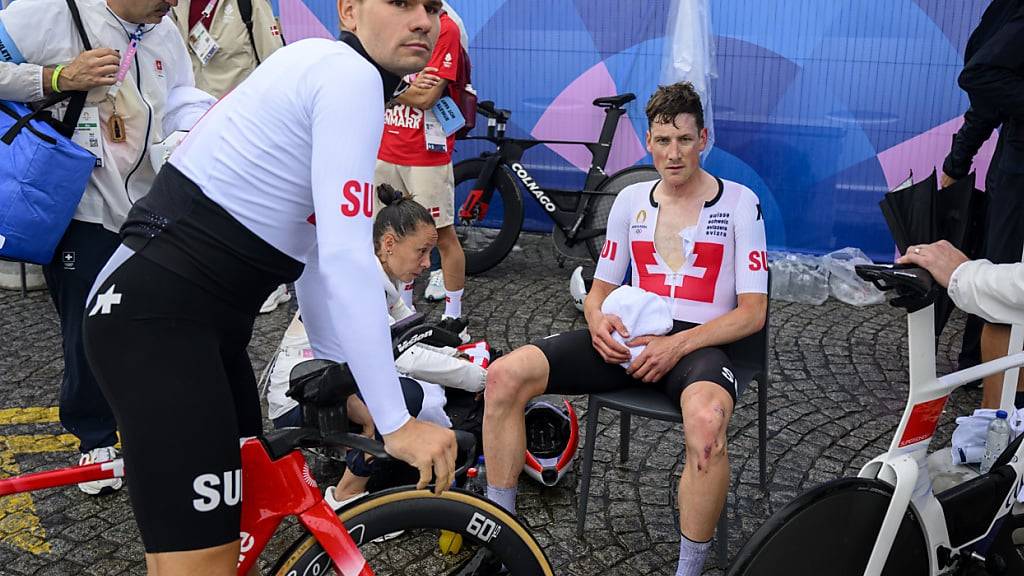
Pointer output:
x,y
888,520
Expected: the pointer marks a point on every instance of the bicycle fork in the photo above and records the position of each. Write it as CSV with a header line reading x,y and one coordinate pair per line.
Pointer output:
x,y
277,488
479,198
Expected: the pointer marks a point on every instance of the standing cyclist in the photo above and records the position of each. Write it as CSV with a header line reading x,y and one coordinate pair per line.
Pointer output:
x,y
274,183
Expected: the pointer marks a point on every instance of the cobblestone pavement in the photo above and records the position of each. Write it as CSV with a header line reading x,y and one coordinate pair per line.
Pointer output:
x,y
838,386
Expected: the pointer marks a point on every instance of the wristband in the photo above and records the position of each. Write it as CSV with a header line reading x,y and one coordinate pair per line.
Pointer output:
x,y
55,77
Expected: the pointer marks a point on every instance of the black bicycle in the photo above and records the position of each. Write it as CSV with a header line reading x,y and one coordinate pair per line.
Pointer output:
x,y
489,225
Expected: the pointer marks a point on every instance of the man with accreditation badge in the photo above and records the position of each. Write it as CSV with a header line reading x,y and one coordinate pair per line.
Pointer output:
x,y
416,157
227,39
140,90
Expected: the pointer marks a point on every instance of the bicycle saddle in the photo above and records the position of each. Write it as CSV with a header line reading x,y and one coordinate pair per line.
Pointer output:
x,y
617,101
487,110
914,286
320,383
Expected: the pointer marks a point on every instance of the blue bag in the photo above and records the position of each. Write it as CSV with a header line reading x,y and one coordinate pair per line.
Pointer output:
x,y
43,173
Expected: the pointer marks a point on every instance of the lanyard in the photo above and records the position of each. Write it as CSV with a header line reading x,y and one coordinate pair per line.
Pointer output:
x,y
208,10
129,56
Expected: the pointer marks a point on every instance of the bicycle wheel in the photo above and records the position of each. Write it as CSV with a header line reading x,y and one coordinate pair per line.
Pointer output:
x,y
486,241
831,529
601,204
479,524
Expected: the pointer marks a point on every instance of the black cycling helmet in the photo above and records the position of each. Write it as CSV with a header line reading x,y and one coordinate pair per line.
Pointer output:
x,y
552,437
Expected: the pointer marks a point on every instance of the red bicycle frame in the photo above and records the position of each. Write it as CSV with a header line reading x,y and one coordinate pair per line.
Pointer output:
x,y
272,489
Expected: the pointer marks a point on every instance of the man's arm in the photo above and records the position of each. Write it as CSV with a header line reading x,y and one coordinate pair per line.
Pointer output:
x,y
425,91
747,318
979,123
602,325
993,75
186,104
664,352
29,54
342,179
993,291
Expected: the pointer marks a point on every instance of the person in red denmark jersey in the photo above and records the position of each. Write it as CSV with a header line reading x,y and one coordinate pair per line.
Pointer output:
x,y
416,156
698,242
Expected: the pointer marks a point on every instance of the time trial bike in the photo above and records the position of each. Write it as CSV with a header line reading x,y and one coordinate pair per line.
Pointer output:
x,y
889,520
489,191
276,483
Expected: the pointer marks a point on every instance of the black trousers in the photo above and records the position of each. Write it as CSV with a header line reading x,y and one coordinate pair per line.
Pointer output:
x,y
80,255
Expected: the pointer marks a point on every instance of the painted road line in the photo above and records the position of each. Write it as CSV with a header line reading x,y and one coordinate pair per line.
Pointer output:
x,y
35,415
19,524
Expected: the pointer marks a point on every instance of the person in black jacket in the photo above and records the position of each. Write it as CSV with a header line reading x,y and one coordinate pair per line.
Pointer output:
x,y
993,78
979,123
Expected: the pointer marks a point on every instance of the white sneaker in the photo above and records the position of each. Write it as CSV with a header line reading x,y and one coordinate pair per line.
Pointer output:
x,y
98,487
338,505
278,296
435,287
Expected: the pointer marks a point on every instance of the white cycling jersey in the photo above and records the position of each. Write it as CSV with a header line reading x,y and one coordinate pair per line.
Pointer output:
x,y
295,167
725,252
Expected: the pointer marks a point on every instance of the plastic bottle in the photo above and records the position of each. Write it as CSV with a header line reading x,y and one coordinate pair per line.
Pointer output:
x,y
476,479
996,441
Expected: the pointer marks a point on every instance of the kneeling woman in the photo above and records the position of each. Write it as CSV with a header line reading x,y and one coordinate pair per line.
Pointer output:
x,y
403,236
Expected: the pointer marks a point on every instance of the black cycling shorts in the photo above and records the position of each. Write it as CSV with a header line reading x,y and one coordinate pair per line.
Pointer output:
x,y
576,368
166,334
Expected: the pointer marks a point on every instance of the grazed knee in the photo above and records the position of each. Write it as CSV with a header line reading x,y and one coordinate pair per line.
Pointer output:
x,y
705,432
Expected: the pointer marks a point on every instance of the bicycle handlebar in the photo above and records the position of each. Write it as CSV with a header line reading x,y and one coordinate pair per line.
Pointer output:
x,y
465,441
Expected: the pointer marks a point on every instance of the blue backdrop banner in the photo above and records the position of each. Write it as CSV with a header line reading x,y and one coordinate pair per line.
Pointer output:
x,y
819,107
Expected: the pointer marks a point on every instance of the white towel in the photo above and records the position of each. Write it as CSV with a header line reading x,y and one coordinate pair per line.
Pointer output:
x,y
643,313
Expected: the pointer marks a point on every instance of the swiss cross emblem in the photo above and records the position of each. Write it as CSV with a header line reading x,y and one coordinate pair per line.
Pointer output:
x,y
159,66
274,30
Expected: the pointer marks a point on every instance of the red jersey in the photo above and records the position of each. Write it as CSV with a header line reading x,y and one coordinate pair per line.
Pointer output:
x,y
404,142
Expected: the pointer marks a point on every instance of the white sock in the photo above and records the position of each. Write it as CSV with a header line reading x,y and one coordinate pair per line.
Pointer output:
x,y
504,497
407,295
691,556
453,303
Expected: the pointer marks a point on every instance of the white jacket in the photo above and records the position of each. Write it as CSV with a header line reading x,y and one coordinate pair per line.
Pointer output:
x,y
157,98
993,291
426,364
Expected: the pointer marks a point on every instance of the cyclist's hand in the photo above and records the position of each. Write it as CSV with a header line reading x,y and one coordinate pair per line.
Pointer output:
x,y
601,329
661,354
92,68
428,448
426,79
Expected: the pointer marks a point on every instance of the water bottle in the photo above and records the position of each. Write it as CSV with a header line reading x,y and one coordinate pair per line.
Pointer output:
x,y
996,441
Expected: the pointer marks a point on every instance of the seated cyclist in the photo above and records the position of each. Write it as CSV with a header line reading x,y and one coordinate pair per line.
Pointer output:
x,y
403,236
698,242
